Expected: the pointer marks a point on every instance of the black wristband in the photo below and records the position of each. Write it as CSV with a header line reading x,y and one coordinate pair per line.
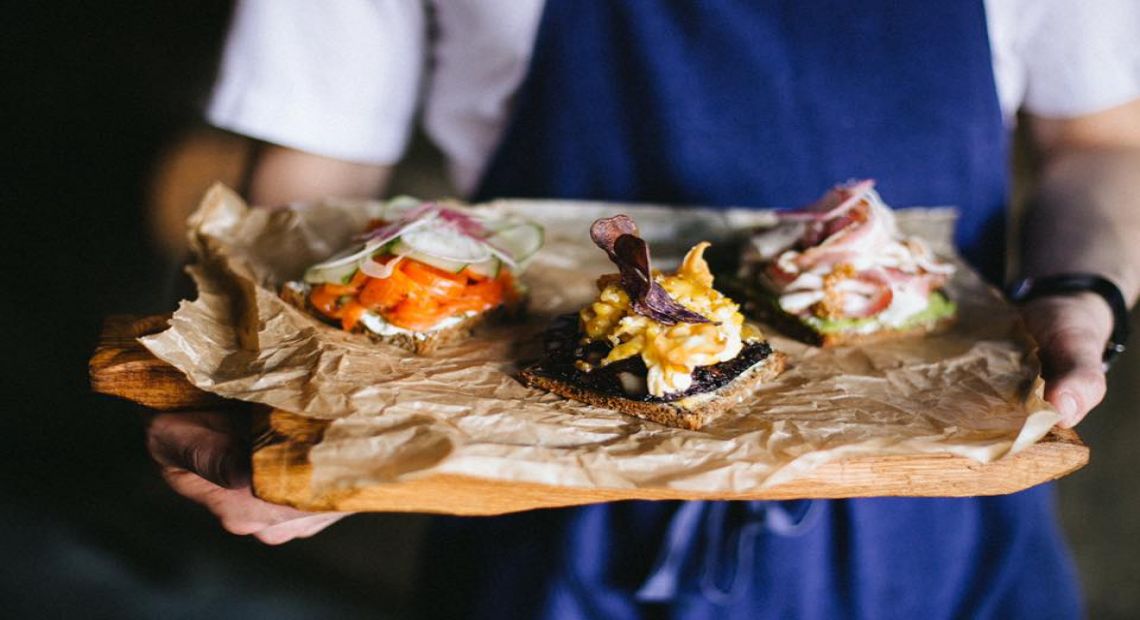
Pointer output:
x,y
1026,289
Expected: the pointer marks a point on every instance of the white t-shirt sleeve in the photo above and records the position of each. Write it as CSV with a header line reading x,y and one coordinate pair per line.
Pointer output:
x,y
339,79
1079,56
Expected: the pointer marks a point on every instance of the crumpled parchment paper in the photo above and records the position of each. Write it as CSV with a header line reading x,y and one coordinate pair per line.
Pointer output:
x,y
974,391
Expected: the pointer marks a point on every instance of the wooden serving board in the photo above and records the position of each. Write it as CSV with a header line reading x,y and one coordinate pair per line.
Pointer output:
x,y
281,469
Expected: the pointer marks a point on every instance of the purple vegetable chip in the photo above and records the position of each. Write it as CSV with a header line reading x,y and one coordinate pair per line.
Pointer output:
x,y
617,235
606,231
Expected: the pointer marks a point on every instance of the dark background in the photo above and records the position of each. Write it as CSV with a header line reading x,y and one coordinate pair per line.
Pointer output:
x,y
96,94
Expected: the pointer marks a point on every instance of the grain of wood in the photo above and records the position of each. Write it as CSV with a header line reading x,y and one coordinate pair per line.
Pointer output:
x,y
121,367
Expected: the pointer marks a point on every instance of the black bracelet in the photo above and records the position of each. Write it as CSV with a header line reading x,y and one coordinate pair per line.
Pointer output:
x,y
1026,289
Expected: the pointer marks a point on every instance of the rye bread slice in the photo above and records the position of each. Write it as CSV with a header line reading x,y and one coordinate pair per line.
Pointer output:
x,y
296,294
621,385
691,412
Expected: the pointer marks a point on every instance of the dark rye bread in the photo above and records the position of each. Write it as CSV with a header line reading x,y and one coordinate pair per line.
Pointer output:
x,y
295,294
691,412
620,385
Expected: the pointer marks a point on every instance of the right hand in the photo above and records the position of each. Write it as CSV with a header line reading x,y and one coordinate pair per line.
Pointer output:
x,y
204,456
1071,330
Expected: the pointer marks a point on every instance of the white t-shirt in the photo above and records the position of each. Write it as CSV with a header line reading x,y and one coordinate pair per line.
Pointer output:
x,y
346,78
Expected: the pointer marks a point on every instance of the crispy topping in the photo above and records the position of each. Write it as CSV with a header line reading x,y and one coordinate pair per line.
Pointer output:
x,y
831,306
617,235
605,232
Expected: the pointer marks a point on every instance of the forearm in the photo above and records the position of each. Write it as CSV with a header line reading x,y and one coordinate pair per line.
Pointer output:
x,y
280,175
1085,217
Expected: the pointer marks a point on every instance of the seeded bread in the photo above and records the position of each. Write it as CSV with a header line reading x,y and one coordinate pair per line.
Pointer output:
x,y
691,412
296,294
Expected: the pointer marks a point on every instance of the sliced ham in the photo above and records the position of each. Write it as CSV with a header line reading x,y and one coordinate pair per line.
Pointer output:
x,y
867,234
834,203
800,301
848,228
866,294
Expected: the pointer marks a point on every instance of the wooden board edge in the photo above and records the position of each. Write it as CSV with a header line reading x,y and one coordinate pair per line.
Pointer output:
x,y
282,474
123,368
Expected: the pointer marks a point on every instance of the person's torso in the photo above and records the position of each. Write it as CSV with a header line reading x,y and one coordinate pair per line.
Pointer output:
x,y
758,104
482,48
737,103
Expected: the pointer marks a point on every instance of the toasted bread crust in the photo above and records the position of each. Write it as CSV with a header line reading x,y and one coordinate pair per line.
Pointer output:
x,y
691,413
419,343
422,343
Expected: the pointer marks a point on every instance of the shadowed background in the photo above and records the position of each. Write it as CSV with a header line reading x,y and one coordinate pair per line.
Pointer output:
x,y
102,131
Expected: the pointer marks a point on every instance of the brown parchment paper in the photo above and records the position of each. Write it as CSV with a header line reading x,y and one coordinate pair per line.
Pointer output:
x,y
973,391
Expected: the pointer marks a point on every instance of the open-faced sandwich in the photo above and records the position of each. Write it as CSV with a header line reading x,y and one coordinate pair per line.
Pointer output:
x,y
667,348
422,275
839,272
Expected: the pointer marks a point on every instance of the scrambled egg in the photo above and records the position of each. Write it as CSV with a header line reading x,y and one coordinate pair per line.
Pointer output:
x,y
670,352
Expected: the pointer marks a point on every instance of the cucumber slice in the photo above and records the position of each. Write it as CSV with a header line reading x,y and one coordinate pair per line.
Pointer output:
x,y
445,243
337,274
451,266
487,269
520,241
399,206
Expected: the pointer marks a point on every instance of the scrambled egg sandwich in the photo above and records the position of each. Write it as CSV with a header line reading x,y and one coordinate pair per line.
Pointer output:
x,y
667,348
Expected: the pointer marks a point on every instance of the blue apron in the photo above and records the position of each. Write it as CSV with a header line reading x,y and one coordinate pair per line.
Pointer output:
x,y
730,102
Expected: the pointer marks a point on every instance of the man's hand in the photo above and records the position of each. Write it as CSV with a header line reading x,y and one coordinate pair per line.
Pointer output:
x,y
1082,217
205,457
1072,331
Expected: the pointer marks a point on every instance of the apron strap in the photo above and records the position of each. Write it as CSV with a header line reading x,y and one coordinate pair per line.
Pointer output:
x,y
730,530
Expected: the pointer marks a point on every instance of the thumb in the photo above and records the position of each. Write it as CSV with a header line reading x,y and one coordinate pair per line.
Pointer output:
x,y
200,442
1074,374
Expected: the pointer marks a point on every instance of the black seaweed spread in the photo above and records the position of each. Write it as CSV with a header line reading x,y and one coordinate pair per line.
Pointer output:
x,y
564,349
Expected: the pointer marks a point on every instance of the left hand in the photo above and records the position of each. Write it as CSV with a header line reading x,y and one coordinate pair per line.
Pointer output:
x,y
1072,331
203,458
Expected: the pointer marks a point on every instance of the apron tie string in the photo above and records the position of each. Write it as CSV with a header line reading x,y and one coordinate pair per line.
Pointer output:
x,y
728,531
